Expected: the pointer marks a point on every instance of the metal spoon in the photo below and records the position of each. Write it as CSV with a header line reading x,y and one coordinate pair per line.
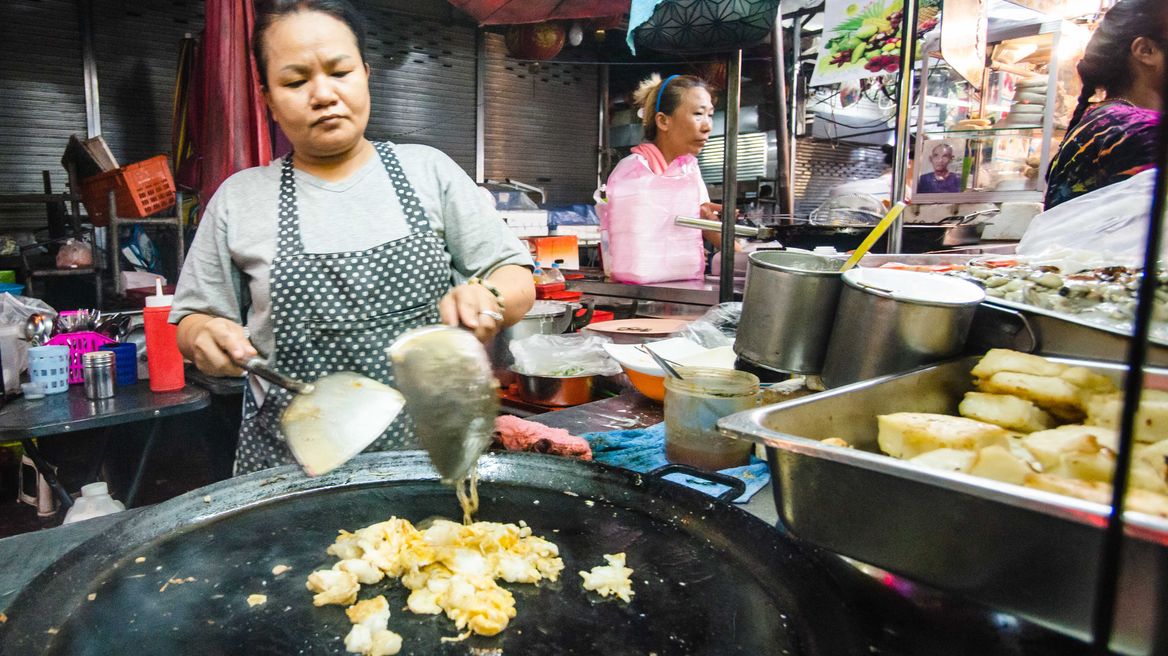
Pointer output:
x,y
661,362
38,329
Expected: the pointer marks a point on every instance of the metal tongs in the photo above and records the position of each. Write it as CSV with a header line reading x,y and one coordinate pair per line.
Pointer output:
x,y
451,395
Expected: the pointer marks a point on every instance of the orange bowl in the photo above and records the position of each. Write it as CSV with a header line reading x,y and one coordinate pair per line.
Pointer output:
x,y
651,386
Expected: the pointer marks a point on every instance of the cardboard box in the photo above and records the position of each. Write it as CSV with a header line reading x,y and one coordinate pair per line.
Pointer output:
x,y
547,250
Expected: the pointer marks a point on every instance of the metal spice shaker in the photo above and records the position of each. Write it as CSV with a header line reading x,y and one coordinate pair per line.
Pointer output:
x,y
98,372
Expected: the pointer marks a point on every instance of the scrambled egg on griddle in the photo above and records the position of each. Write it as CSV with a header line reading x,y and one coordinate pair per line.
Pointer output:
x,y
610,579
449,568
369,634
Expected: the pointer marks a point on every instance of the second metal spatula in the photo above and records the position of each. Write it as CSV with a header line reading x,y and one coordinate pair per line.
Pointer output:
x,y
334,418
451,394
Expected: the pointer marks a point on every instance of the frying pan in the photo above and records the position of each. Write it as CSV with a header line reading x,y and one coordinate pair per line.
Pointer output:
x,y
708,577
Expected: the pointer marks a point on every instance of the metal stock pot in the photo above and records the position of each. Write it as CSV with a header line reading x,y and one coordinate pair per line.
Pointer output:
x,y
544,318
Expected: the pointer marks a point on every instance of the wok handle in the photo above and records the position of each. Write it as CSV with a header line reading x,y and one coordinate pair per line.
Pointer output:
x,y
737,487
261,369
588,305
706,224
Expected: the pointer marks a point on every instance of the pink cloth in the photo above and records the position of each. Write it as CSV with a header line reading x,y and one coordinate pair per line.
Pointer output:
x,y
653,155
517,434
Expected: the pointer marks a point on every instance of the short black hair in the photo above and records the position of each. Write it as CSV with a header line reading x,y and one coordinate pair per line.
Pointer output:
x,y
269,11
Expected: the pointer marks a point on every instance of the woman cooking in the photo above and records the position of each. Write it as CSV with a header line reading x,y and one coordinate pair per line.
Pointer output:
x,y
333,251
1114,139
659,181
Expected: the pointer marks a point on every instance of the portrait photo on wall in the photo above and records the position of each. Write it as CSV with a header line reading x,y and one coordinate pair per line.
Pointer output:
x,y
939,166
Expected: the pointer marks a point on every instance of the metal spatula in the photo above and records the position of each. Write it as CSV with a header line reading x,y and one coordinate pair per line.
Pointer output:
x,y
450,392
333,418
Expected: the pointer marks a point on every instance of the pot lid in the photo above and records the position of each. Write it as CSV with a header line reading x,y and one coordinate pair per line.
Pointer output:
x,y
798,262
641,327
915,286
546,309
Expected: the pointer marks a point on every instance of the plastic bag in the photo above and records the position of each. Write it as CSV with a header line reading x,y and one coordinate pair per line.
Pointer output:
x,y
75,254
639,241
717,327
14,313
563,355
1112,219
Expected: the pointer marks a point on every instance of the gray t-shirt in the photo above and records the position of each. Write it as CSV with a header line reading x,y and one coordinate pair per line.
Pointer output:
x,y
226,273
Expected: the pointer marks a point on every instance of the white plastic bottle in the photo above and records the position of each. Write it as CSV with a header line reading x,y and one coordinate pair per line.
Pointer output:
x,y
555,275
95,501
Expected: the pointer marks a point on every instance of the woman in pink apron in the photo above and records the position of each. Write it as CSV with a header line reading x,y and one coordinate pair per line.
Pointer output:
x,y
657,182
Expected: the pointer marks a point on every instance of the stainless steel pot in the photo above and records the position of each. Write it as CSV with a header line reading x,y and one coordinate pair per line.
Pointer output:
x,y
544,318
891,321
787,310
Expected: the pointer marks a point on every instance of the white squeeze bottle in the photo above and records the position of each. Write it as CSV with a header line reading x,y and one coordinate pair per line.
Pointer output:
x,y
95,501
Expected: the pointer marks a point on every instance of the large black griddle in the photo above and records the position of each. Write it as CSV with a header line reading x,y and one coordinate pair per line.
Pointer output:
x,y
709,578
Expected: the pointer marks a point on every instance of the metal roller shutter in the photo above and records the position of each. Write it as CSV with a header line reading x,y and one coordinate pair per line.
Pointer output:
x,y
44,101
821,165
136,46
423,82
541,123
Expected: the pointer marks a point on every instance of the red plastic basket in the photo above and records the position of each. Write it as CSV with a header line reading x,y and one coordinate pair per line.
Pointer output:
x,y
79,344
140,189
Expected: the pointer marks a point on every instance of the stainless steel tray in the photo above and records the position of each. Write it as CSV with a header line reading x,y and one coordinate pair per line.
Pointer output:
x,y
1027,552
1053,333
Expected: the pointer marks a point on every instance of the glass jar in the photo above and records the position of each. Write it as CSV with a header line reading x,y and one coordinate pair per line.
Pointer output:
x,y
694,404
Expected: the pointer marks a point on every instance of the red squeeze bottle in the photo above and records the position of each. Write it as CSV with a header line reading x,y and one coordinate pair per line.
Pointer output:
x,y
162,355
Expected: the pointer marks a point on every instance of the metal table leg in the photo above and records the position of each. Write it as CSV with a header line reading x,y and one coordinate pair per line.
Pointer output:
x,y
95,470
47,471
149,447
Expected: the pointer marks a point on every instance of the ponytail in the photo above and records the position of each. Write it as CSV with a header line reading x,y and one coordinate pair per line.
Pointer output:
x,y
1081,108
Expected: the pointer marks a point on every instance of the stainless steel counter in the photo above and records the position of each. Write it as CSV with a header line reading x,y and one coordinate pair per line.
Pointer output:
x,y
693,292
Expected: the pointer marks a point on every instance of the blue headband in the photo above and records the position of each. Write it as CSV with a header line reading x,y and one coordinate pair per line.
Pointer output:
x,y
660,90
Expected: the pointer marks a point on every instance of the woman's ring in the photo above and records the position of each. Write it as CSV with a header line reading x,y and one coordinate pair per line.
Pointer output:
x,y
492,314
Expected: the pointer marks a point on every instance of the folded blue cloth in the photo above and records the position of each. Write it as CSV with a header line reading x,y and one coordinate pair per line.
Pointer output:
x,y
643,450
639,12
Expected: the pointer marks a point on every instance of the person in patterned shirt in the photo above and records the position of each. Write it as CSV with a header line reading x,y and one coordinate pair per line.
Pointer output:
x,y
1114,139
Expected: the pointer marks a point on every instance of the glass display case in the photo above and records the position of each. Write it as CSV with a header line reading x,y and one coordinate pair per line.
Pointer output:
x,y
993,142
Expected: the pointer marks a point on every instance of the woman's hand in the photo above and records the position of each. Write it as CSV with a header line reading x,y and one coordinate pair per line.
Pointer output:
x,y
216,345
473,306
711,211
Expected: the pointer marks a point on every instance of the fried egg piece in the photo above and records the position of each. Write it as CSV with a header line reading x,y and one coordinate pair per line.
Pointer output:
x,y
333,587
611,579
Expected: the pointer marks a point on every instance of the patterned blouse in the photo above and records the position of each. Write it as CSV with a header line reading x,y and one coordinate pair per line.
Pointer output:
x,y
1114,141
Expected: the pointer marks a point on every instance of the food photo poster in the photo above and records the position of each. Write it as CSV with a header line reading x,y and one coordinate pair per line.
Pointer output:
x,y
862,40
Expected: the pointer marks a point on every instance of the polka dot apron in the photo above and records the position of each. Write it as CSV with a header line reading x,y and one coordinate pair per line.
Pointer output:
x,y
339,311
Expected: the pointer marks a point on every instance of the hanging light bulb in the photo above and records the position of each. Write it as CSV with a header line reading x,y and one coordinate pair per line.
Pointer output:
x,y
575,34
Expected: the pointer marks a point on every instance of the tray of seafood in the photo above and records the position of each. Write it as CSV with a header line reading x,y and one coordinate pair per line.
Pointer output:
x,y
988,477
1075,304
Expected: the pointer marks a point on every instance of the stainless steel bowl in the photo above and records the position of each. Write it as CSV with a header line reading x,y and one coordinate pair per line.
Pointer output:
x,y
563,391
